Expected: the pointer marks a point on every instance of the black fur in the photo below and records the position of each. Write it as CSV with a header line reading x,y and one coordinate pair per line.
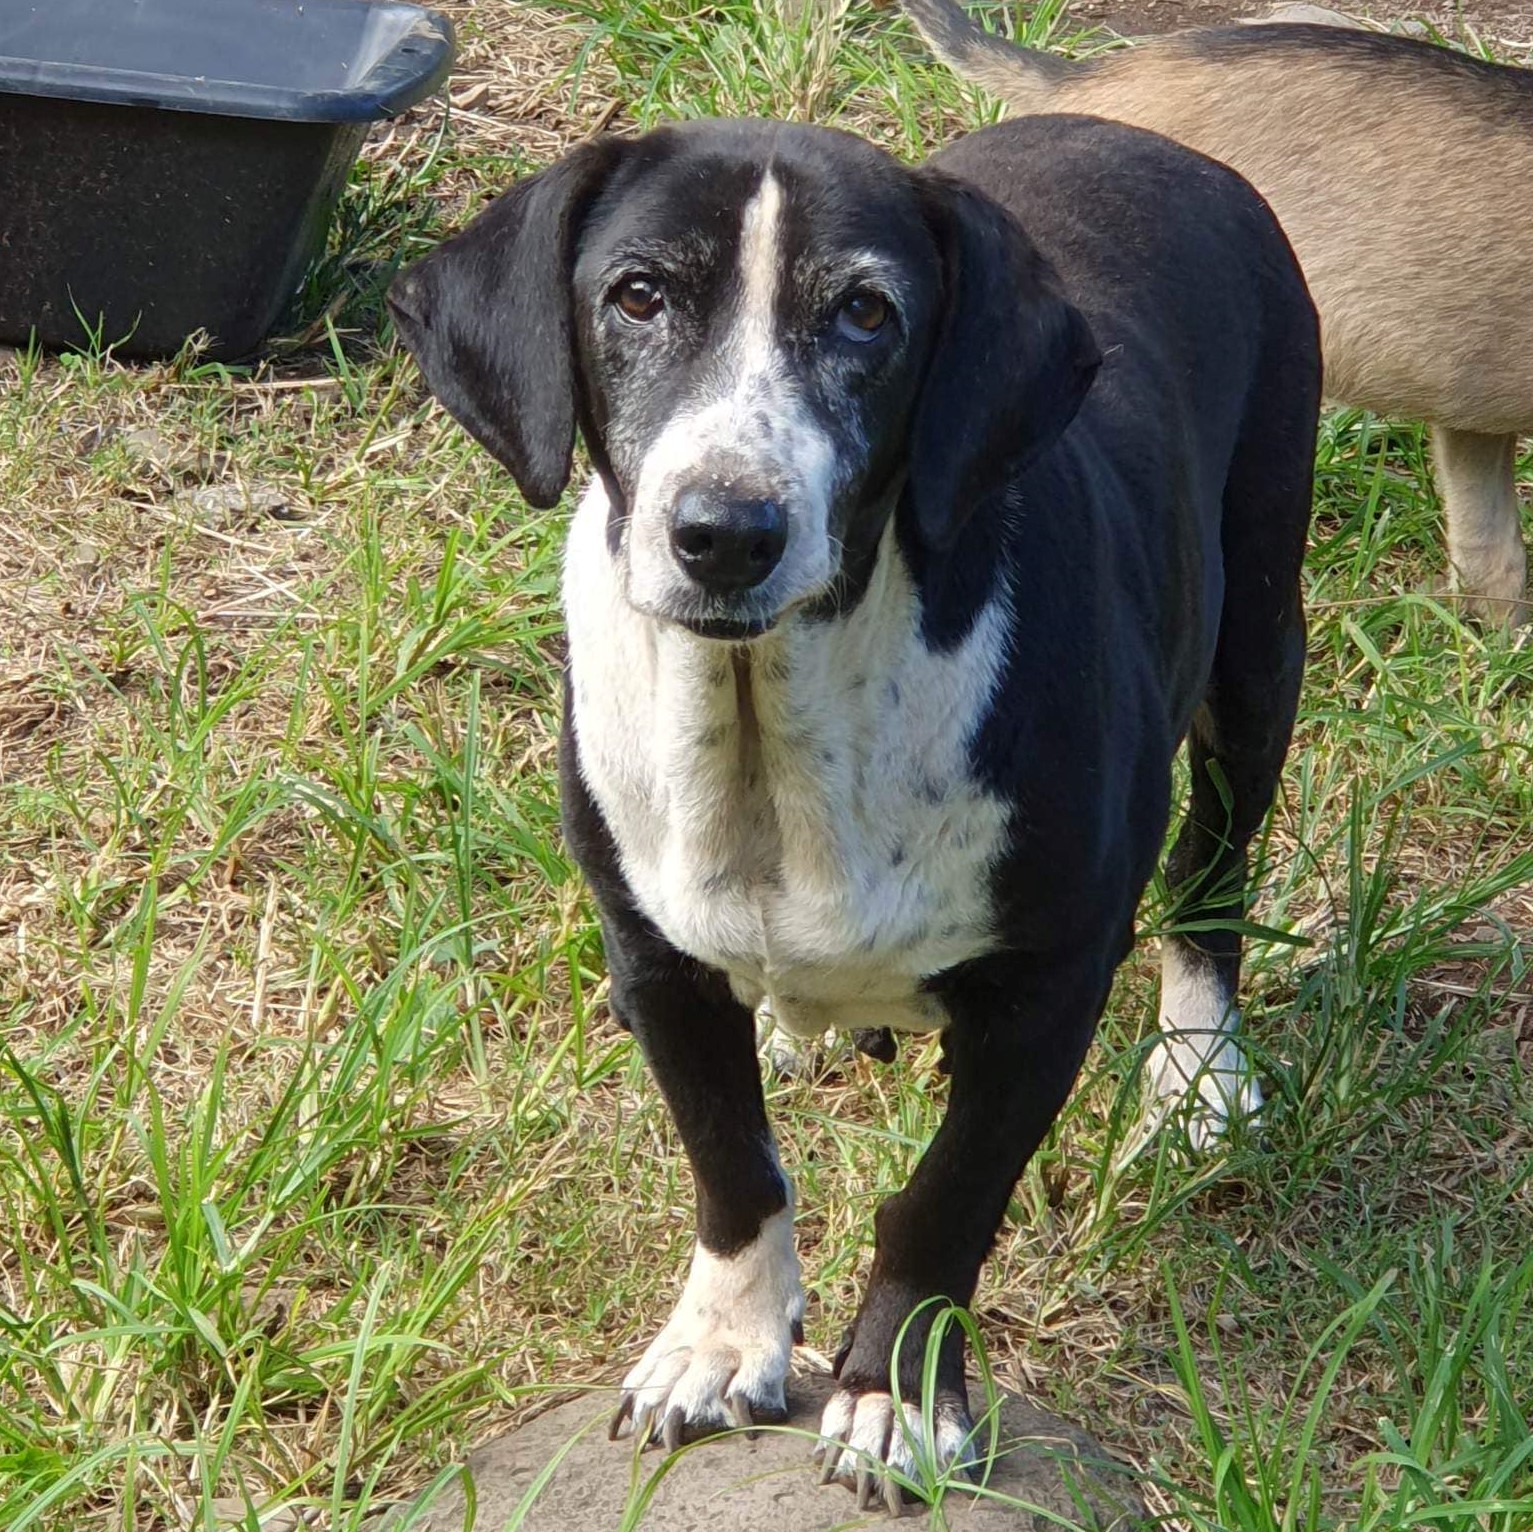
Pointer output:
x,y
1011,363
699,1041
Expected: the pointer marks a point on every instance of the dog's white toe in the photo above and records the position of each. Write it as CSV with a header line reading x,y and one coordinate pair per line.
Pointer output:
x,y
869,1444
722,1358
683,1389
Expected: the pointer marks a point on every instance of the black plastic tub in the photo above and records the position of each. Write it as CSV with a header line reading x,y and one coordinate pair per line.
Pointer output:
x,y
169,166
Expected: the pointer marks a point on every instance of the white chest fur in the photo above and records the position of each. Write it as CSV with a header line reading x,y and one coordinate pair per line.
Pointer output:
x,y
798,813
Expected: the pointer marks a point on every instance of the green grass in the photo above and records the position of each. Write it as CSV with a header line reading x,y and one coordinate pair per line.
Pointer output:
x,y
320,1157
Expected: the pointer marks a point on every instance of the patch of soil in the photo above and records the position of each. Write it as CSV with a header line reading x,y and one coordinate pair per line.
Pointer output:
x,y
1505,22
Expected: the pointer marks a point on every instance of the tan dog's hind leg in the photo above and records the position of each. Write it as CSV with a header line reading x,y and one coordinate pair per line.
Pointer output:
x,y
1486,559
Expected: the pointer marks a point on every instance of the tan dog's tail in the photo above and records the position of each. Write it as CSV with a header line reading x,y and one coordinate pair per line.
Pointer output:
x,y
1025,78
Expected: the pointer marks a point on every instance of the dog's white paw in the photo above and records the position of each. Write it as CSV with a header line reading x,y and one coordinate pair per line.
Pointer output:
x,y
722,1358
1198,1060
1208,1072
789,1056
794,1056
865,1441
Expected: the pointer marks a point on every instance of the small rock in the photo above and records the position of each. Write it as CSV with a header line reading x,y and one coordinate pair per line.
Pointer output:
x,y
768,1484
83,559
1497,1046
237,503
231,1512
1297,12
152,448
148,446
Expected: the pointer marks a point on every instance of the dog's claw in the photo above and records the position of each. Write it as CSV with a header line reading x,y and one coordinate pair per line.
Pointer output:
x,y
864,1488
871,1447
670,1430
831,1457
620,1417
737,1409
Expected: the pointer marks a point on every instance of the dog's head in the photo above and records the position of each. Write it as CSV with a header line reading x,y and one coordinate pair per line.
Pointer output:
x,y
768,335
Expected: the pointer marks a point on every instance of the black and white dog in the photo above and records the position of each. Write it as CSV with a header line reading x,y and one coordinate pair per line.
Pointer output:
x,y
932,509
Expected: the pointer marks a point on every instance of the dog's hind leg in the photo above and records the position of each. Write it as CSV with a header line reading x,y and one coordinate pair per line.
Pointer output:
x,y
1486,558
1236,747
1198,1057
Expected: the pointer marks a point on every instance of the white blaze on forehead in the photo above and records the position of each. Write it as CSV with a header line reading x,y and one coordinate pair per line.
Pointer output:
x,y
760,265
717,435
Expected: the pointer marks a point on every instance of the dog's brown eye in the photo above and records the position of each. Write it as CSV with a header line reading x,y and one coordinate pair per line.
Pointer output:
x,y
863,314
639,298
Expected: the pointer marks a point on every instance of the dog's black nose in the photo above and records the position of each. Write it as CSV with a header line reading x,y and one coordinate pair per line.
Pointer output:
x,y
725,543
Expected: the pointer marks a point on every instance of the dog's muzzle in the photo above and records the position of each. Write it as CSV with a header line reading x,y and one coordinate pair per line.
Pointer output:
x,y
725,542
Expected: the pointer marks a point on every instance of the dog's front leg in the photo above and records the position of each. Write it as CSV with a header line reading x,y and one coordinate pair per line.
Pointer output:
x,y
1020,1027
722,1358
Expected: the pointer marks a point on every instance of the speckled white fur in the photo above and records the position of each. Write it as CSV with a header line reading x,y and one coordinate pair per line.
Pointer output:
x,y
713,439
797,812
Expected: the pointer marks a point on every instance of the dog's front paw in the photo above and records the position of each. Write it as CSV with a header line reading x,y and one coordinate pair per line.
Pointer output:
x,y
722,1358
869,1443
693,1382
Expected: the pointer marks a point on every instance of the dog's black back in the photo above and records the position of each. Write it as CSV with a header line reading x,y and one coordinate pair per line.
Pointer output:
x,y
1209,369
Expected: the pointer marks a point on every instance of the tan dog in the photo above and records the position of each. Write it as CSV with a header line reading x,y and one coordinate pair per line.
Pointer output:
x,y
1403,175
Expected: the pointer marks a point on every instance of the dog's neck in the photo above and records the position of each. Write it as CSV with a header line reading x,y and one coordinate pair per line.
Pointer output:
x,y
801,687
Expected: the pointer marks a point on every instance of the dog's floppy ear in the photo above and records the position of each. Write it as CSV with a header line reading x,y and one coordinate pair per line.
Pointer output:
x,y
1010,364
488,316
